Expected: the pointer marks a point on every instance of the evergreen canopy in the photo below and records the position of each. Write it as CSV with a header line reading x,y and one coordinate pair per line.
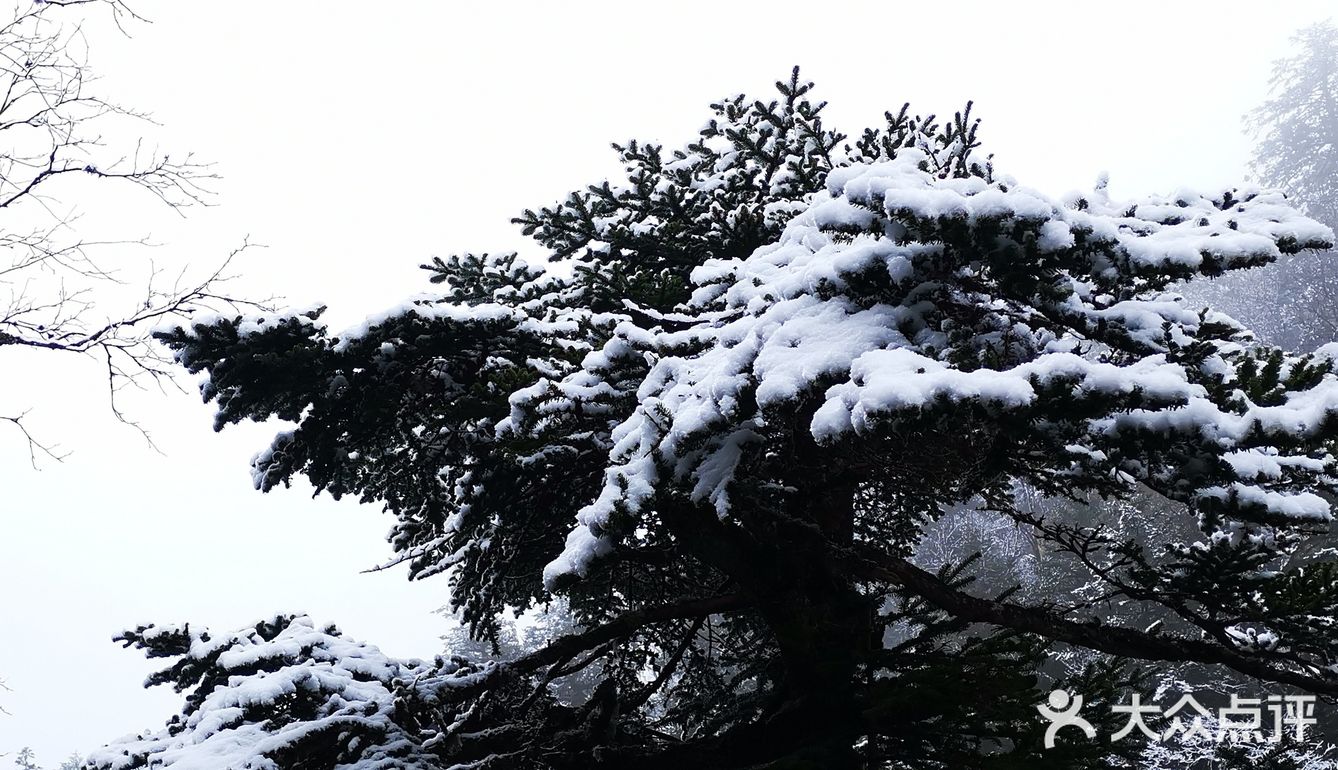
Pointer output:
x,y
767,362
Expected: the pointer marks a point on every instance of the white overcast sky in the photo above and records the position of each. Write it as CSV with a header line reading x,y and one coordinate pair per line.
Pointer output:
x,y
358,139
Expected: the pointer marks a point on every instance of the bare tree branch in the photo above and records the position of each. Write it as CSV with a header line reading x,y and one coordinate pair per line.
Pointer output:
x,y
35,449
56,293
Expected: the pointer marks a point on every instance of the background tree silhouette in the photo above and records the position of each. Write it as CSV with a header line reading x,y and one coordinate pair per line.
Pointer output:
x,y
1295,302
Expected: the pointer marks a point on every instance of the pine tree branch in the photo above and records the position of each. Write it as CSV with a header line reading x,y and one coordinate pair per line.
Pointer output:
x,y
564,648
624,625
1113,640
668,669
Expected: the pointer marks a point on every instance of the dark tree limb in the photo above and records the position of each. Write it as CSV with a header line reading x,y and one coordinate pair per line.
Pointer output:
x,y
1113,640
561,650
669,667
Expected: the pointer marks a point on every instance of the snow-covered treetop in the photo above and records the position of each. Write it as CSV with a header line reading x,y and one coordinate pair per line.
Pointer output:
x,y
899,293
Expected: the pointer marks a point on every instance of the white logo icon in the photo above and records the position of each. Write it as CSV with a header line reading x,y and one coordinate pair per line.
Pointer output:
x,y
1063,712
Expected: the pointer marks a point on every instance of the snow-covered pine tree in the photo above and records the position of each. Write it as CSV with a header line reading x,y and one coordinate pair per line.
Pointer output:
x,y
777,357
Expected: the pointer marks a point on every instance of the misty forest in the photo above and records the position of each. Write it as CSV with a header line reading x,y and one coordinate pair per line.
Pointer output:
x,y
794,446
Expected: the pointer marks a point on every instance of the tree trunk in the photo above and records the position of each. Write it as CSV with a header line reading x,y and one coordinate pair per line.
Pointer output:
x,y
823,627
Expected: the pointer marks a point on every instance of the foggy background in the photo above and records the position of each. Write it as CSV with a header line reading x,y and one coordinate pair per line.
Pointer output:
x,y
356,140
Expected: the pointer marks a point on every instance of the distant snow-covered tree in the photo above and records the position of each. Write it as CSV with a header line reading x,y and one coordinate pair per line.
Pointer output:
x,y
777,360
1295,303
1297,125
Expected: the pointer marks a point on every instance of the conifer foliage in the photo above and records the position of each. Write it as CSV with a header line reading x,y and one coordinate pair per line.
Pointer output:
x,y
774,357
